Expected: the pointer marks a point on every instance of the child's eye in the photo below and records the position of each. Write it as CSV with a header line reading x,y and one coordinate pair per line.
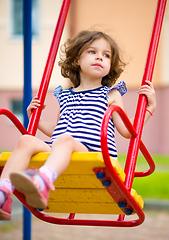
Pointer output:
x,y
107,55
92,52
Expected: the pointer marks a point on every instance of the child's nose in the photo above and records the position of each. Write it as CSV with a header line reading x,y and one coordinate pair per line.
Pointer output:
x,y
99,57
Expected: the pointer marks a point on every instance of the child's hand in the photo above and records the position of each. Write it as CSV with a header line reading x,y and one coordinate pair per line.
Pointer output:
x,y
35,103
149,91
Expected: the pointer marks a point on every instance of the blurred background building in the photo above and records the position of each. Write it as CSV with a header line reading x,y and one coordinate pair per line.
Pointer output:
x,y
128,22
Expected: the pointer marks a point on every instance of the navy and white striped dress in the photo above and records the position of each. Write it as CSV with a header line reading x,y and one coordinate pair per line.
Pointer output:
x,y
81,115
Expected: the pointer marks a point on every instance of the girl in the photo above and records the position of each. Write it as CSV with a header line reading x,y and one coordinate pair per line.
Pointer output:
x,y
93,64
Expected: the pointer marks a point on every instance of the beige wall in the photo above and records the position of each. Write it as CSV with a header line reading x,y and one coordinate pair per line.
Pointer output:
x,y
155,134
130,23
164,47
11,50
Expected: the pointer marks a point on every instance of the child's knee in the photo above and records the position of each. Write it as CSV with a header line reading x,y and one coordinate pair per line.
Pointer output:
x,y
64,139
25,141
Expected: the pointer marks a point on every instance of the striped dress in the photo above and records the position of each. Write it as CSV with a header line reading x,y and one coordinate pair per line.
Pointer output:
x,y
81,115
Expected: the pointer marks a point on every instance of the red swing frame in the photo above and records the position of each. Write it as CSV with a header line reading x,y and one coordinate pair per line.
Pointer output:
x,y
135,129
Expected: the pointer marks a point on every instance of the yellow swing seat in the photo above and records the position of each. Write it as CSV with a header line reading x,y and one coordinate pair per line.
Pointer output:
x,y
78,190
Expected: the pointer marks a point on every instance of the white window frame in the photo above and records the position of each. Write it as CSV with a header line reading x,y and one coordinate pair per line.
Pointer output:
x,y
35,20
19,115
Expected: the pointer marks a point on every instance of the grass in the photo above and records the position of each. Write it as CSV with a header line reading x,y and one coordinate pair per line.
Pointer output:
x,y
155,186
160,160
8,226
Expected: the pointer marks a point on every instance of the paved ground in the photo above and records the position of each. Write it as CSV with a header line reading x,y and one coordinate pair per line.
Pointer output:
x,y
155,227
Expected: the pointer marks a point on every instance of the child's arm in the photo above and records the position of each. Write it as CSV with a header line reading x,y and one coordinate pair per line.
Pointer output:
x,y
45,127
116,99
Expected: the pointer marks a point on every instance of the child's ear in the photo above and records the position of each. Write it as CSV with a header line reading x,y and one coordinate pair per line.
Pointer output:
x,y
76,60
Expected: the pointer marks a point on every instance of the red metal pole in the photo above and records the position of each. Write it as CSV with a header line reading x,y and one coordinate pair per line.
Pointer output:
x,y
33,124
142,102
79,222
14,119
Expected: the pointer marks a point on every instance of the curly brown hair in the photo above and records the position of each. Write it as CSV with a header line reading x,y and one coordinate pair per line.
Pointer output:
x,y
73,49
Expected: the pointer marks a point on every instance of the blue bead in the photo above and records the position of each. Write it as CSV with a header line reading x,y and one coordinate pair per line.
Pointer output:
x,y
100,175
128,211
106,183
39,209
122,204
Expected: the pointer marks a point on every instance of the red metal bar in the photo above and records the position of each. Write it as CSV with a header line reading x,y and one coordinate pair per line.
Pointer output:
x,y
105,151
71,216
131,129
33,124
142,102
150,162
14,119
79,222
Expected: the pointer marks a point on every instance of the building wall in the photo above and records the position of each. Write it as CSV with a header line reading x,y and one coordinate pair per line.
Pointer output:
x,y
11,61
129,22
11,48
156,131
9,133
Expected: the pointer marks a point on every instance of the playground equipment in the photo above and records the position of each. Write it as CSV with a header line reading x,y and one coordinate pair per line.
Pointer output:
x,y
94,182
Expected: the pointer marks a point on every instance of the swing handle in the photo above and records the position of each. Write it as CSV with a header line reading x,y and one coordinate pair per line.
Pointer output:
x,y
129,126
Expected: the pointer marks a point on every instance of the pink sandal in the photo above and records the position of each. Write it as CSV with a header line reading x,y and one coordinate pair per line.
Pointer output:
x,y
5,210
25,183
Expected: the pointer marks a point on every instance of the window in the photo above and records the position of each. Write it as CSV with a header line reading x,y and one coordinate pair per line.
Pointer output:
x,y
16,109
17,18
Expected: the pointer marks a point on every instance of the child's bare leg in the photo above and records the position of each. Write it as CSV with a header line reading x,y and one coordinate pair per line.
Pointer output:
x,y
62,149
19,160
36,186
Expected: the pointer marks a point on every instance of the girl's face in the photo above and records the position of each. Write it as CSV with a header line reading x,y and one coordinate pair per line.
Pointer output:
x,y
95,61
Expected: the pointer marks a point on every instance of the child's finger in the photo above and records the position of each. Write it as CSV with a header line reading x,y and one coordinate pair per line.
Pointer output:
x,y
35,99
147,87
149,84
35,103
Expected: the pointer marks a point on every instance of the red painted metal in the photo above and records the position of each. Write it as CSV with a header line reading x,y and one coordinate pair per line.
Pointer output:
x,y
14,119
33,124
149,160
131,129
72,221
135,130
142,102
116,181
